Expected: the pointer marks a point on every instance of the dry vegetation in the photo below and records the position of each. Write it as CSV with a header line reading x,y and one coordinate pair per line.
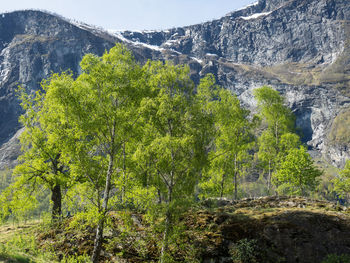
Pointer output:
x,y
340,133
278,228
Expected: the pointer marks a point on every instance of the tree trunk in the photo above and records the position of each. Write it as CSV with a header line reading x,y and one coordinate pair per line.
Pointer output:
x,y
165,244
222,186
124,174
269,179
276,133
100,227
168,223
235,178
56,195
56,198
159,196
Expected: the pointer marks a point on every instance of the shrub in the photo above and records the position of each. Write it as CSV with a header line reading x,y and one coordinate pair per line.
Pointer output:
x,y
333,258
245,251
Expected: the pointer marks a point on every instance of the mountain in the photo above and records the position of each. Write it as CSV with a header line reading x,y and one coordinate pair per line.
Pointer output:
x,y
299,47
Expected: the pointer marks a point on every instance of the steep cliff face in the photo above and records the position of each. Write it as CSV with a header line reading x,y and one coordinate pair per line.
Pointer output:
x,y
299,47
32,45
265,33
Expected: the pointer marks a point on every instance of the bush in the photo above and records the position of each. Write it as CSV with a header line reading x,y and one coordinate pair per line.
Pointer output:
x,y
245,251
333,258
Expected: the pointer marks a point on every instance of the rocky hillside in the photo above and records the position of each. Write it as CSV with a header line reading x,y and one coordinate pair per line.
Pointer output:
x,y
300,47
269,229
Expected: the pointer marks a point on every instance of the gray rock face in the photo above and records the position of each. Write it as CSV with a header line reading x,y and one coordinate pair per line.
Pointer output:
x,y
299,47
10,150
34,44
267,33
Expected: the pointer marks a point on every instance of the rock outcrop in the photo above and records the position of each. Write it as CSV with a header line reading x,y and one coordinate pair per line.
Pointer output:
x,y
266,230
299,47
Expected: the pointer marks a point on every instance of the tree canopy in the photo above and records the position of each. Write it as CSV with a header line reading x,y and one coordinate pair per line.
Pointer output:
x,y
297,173
122,135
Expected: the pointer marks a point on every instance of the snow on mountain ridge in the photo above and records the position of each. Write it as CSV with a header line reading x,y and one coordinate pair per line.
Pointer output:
x,y
255,16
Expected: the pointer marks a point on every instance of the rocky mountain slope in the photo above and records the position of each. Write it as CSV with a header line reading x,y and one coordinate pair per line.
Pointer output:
x,y
299,47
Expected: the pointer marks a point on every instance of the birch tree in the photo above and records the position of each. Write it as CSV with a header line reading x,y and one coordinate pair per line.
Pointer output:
x,y
171,147
99,109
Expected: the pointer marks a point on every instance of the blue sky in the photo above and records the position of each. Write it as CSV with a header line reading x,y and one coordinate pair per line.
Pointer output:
x,y
132,14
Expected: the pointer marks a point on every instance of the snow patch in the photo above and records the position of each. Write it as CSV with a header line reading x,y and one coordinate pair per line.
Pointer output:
x,y
197,59
157,48
4,75
150,31
119,35
211,55
171,42
175,51
5,67
254,16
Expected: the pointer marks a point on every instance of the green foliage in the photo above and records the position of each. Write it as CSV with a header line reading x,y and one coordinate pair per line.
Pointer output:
x,y
21,246
288,142
76,259
268,150
171,151
232,141
333,258
272,109
5,178
98,113
296,174
342,182
245,251
96,116
278,138
339,133
40,165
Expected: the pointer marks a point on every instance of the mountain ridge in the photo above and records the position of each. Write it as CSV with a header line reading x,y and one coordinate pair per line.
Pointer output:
x,y
298,47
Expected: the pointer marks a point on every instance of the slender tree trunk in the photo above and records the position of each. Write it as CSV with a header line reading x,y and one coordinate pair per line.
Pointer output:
x,y
56,198
197,189
168,215
222,186
124,173
56,195
276,133
165,244
100,227
269,179
235,178
168,221
159,196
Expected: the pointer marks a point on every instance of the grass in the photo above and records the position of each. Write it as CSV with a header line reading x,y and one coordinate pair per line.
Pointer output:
x,y
18,244
340,133
14,259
